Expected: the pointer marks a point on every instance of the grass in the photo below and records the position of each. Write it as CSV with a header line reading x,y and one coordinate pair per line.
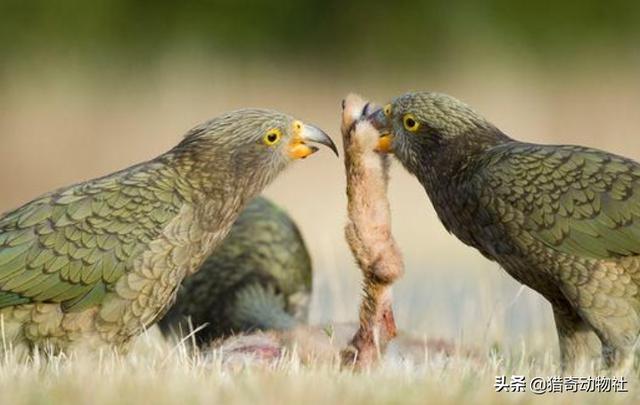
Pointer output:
x,y
156,372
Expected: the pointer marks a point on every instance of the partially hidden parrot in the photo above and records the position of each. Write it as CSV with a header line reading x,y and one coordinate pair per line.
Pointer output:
x,y
258,278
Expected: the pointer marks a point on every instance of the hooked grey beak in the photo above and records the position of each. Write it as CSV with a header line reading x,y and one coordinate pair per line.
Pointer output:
x,y
380,121
303,133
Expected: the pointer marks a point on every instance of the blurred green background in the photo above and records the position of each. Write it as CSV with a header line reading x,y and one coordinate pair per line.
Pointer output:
x,y
90,87
137,33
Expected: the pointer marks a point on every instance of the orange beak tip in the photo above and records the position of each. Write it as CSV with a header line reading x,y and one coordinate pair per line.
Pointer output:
x,y
384,144
301,150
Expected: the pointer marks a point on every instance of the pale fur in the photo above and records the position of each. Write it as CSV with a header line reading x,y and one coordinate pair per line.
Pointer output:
x,y
368,232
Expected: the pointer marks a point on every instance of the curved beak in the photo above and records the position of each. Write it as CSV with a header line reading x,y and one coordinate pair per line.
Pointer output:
x,y
303,134
381,122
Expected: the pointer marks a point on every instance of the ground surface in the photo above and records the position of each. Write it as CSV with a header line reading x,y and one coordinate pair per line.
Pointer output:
x,y
157,373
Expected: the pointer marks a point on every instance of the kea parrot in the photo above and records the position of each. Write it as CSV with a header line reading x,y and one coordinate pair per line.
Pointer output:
x,y
94,264
258,278
563,220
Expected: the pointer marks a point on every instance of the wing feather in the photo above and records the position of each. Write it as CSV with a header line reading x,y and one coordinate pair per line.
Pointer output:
x,y
69,246
576,200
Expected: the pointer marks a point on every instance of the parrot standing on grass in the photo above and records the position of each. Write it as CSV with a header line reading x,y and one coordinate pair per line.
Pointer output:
x,y
96,263
563,220
259,278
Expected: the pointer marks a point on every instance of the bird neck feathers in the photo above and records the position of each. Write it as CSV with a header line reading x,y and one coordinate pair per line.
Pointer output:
x,y
447,162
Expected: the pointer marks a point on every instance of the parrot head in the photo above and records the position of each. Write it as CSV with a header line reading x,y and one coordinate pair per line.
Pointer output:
x,y
250,146
419,126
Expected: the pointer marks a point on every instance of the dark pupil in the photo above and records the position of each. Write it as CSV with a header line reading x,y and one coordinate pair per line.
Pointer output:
x,y
272,137
411,123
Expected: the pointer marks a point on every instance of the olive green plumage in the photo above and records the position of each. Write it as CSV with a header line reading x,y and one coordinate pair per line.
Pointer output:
x,y
564,220
97,262
258,278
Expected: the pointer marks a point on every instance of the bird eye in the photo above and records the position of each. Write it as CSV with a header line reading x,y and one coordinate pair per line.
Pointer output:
x,y
272,137
410,123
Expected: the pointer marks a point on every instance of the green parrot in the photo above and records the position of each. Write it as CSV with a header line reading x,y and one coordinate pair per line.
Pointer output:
x,y
259,278
96,263
563,220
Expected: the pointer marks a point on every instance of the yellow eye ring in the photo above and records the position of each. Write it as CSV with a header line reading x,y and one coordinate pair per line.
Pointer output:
x,y
410,123
272,137
387,110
